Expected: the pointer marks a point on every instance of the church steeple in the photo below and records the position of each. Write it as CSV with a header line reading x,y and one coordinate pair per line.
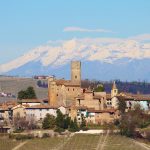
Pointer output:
x,y
114,91
114,86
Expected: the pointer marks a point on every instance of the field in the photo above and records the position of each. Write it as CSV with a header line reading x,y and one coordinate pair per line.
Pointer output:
x,y
76,142
14,85
6,144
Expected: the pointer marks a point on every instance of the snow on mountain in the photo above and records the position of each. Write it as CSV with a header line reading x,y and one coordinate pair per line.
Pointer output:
x,y
114,52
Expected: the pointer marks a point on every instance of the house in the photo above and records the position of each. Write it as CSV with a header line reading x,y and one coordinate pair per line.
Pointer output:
x,y
19,110
30,102
6,113
38,112
92,99
130,99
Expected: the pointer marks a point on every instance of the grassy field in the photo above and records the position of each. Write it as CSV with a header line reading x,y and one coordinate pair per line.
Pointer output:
x,y
14,85
77,142
8,144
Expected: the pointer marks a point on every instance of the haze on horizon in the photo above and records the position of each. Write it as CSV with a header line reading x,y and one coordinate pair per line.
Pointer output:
x,y
99,30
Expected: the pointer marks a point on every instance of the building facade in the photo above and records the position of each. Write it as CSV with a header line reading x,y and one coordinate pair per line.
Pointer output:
x,y
63,92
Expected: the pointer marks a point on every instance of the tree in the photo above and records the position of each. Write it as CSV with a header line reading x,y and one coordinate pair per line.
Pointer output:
x,y
20,123
99,88
29,93
121,105
22,95
67,121
83,122
73,126
131,120
48,122
60,119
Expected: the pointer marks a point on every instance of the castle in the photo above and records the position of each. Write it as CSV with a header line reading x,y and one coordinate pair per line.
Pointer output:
x,y
63,92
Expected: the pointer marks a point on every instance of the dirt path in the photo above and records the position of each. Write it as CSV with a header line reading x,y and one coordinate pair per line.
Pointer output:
x,y
101,143
143,145
20,145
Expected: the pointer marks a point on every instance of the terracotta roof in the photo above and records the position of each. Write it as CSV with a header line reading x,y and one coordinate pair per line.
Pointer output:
x,y
80,97
42,107
102,111
81,107
88,91
108,96
66,82
135,97
97,97
4,107
30,101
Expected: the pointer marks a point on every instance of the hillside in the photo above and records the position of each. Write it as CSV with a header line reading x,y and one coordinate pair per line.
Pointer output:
x,y
14,85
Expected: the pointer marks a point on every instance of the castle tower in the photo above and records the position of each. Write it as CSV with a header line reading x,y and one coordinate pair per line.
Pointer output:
x,y
114,91
76,72
52,100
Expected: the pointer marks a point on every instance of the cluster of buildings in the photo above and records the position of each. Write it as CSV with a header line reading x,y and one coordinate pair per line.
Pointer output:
x,y
70,98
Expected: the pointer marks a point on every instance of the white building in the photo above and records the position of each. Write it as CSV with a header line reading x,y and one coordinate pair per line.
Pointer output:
x,y
38,112
31,102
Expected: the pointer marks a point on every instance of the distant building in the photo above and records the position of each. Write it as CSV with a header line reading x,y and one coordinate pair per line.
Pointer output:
x,y
30,102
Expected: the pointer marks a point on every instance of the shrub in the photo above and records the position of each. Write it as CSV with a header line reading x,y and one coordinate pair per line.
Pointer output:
x,y
21,136
59,130
45,135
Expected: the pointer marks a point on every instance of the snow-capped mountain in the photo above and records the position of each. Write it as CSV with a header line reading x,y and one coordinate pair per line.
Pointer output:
x,y
102,58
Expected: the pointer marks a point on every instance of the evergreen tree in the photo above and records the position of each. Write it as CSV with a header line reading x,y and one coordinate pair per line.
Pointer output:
x,y
60,119
67,122
122,105
29,93
48,122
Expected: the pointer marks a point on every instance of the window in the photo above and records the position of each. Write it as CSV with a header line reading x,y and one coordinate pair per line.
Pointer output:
x,y
68,89
75,77
73,89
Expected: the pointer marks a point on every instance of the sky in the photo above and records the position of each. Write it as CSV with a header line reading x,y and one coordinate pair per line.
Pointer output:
x,y
26,24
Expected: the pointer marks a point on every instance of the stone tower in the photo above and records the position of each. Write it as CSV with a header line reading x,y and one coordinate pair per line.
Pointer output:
x,y
52,100
114,91
76,72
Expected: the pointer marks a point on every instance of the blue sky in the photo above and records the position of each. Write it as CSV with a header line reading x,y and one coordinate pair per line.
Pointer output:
x,y
25,24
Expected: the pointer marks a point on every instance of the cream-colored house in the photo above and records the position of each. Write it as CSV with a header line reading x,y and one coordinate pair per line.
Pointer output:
x,y
19,110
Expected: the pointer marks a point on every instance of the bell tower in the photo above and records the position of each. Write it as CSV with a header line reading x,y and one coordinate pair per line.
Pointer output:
x,y
114,91
76,72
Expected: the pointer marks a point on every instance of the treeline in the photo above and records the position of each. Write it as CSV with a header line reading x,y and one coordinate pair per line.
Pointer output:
x,y
123,86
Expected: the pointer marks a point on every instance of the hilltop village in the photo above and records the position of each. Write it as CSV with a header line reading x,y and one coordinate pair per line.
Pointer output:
x,y
71,99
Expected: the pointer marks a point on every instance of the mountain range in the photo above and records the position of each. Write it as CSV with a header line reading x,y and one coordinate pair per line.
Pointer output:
x,y
102,59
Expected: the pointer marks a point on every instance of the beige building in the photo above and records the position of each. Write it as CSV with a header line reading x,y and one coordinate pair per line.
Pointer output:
x,y
63,92
90,99
19,110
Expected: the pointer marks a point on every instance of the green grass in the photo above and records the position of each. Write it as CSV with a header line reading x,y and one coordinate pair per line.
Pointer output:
x,y
43,144
7,144
117,142
76,142
82,142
